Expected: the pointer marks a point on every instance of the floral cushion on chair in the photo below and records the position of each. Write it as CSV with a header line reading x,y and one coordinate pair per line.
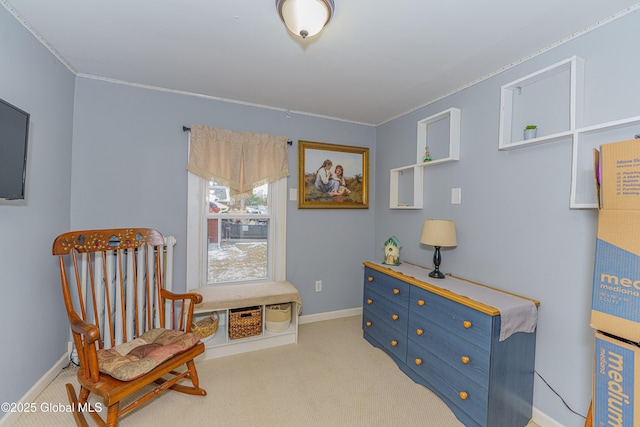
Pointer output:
x,y
135,358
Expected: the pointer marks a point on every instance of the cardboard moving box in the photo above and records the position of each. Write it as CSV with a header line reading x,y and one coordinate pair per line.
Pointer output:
x,y
616,374
615,306
616,279
620,175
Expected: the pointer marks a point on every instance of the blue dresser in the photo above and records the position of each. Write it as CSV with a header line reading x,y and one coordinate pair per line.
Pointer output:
x,y
450,341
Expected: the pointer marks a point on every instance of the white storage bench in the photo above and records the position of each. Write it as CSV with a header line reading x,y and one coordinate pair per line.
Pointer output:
x,y
222,298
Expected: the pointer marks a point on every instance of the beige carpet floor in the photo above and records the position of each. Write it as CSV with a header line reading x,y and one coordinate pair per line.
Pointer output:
x,y
332,377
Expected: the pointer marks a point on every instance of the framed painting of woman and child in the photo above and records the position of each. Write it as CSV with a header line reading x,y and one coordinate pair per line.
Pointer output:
x,y
332,176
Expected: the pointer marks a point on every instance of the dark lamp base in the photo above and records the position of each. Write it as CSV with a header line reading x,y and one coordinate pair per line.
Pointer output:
x,y
436,264
436,274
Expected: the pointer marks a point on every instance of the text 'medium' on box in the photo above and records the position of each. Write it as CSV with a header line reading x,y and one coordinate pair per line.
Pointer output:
x,y
616,373
615,306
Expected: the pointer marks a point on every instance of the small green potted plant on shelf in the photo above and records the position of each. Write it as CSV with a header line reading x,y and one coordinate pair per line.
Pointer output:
x,y
530,131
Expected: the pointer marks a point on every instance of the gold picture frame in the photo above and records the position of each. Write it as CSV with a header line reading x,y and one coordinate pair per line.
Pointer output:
x,y
349,190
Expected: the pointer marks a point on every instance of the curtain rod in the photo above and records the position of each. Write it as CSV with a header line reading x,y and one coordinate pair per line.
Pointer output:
x,y
188,129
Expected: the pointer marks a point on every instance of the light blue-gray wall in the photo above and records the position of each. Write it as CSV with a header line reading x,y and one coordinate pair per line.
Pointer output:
x,y
33,323
129,168
515,229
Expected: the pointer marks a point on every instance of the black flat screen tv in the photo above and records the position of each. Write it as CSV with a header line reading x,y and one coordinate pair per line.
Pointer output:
x,y
14,135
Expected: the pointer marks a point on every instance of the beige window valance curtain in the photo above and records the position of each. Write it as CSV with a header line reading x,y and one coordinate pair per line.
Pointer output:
x,y
239,160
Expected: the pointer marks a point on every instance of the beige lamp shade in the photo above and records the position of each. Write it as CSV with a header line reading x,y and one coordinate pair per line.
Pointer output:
x,y
439,232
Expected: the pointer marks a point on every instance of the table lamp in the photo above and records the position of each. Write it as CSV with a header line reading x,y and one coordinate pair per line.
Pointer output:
x,y
438,233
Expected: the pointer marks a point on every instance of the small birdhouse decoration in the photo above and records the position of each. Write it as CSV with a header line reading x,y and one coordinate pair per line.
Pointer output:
x,y
427,155
392,251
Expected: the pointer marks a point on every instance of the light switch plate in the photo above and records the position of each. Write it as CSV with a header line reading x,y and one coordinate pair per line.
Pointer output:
x,y
456,196
293,194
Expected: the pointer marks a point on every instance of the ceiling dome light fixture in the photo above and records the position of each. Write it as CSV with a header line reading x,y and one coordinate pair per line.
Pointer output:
x,y
305,18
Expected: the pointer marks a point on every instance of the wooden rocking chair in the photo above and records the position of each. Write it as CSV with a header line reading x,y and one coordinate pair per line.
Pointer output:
x,y
112,285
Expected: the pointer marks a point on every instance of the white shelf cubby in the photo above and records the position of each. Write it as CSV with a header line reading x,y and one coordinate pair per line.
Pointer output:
x,y
221,344
583,192
441,133
559,87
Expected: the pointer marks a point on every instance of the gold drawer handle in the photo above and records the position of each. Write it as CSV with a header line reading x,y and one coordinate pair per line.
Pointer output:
x,y
466,324
419,332
367,324
463,395
394,343
418,361
369,301
394,317
420,302
396,291
370,279
465,359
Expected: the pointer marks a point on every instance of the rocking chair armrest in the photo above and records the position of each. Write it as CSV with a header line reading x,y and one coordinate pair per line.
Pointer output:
x,y
88,330
187,303
86,350
195,298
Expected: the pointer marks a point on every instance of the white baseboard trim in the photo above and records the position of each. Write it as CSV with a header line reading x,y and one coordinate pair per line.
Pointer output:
x,y
30,396
544,420
319,317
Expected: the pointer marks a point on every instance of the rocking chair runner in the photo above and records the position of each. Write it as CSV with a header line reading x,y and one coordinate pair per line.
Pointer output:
x,y
113,292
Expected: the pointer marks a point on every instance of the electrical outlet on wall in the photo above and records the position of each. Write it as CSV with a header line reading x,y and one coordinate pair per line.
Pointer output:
x,y
318,285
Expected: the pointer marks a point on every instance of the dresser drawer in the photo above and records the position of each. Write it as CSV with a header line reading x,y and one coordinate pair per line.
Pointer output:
x,y
465,322
394,314
455,387
393,341
468,359
450,343
387,286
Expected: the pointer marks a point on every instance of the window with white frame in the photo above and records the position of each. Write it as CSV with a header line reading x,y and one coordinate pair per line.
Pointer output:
x,y
235,240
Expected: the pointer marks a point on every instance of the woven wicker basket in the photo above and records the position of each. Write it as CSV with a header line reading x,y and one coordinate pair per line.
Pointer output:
x,y
206,328
245,322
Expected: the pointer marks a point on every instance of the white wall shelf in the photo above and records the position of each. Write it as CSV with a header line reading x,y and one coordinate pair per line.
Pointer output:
x,y
560,87
441,133
406,187
583,193
448,120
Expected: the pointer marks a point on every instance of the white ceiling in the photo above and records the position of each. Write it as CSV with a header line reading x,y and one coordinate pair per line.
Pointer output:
x,y
375,60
